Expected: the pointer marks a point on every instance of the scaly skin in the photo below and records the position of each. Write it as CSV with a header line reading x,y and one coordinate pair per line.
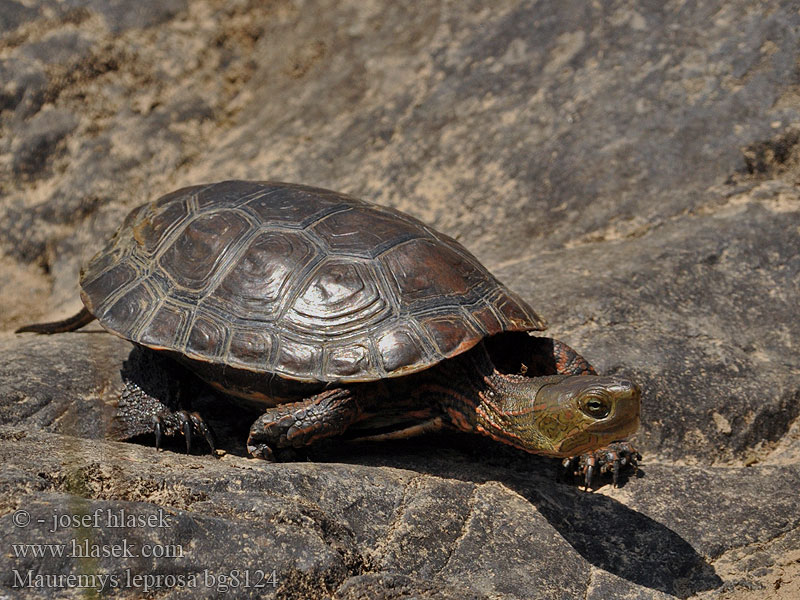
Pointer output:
x,y
555,415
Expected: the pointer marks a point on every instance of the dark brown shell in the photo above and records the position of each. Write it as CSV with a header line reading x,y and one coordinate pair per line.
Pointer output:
x,y
306,283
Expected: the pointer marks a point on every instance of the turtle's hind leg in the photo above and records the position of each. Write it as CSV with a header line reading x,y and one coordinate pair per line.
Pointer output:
x,y
156,399
299,424
84,317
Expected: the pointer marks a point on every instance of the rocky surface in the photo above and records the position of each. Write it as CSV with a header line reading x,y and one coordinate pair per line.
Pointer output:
x,y
630,168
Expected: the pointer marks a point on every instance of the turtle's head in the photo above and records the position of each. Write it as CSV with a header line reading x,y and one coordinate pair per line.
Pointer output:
x,y
562,415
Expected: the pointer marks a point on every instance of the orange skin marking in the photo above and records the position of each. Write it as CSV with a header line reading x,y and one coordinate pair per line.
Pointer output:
x,y
458,419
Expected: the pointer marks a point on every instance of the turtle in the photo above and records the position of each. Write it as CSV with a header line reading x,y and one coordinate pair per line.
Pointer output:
x,y
333,316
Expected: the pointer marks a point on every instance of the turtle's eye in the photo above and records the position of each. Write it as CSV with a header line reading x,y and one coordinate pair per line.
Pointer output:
x,y
596,407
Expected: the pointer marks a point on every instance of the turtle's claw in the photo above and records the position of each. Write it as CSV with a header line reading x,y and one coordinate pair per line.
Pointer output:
x,y
202,428
158,431
262,451
587,482
613,458
185,421
189,424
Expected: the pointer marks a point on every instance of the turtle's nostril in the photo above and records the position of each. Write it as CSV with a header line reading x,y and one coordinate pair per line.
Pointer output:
x,y
628,387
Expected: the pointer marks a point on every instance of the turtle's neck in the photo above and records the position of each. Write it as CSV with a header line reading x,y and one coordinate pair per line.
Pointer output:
x,y
476,397
556,415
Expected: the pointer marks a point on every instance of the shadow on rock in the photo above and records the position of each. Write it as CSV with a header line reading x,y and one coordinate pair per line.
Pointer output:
x,y
622,541
605,532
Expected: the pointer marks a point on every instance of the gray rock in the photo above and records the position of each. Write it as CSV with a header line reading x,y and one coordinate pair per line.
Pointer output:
x,y
58,48
23,87
13,14
42,142
122,15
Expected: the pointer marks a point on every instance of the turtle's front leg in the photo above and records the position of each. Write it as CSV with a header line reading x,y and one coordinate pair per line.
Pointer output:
x,y
299,424
612,458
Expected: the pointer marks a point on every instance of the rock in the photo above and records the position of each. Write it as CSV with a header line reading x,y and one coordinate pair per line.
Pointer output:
x,y
41,142
58,48
13,14
122,15
24,87
65,386
630,169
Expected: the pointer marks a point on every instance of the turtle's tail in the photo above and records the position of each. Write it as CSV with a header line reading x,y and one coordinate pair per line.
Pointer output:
x,y
71,324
